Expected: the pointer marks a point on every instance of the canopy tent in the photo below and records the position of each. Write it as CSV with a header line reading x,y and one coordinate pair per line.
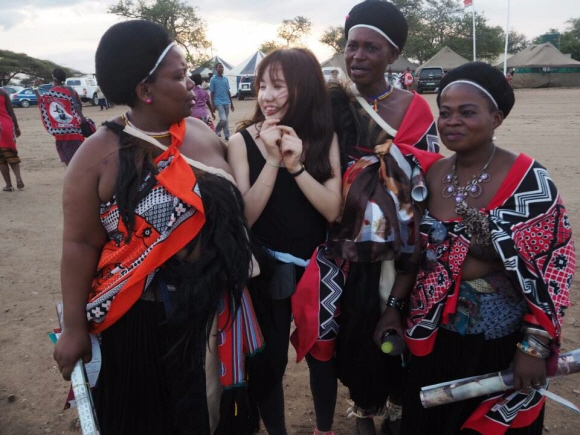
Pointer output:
x,y
446,59
337,61
205,70
543,66
246,68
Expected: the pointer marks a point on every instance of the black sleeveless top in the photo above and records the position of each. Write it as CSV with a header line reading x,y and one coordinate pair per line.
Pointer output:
x,y
289,223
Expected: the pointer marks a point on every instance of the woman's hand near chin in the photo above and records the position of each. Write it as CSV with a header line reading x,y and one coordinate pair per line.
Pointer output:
x,y
271,137
291,148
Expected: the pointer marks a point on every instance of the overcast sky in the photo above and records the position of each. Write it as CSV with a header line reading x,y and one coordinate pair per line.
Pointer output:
x,y
68,31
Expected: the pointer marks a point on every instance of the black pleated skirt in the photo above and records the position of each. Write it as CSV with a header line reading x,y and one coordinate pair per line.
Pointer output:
x,y
456,357
144,386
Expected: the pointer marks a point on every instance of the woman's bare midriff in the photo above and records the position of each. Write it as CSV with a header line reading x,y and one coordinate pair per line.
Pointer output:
x,y
474,268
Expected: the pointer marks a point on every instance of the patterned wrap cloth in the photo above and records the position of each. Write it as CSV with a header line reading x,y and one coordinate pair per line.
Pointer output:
x,y
166,220
377,221
531,233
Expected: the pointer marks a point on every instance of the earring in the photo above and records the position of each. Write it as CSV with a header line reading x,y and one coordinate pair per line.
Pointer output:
x,y
148,101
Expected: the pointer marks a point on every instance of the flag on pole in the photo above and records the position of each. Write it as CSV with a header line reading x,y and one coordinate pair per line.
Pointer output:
x,y
467,3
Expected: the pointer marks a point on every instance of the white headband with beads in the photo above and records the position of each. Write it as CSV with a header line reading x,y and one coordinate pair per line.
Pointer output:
x,y
159,60
478,86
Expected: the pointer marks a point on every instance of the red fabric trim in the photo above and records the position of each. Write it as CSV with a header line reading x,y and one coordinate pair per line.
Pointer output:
x,y
515,176
305,308
422,347
416,122
480,422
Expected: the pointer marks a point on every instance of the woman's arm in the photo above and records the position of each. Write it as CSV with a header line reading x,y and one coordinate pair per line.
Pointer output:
x,y
392,318
83,239
256,196
325,197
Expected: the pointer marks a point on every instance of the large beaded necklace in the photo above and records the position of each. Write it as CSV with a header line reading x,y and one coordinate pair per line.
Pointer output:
x,y
374,101
472,188
475,221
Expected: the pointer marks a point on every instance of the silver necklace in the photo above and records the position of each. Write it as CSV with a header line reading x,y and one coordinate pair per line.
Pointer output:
x,y
472,188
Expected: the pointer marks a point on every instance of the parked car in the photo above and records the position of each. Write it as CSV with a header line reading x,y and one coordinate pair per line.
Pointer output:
x,y
429,79
86,87
25,98
246,87
12,89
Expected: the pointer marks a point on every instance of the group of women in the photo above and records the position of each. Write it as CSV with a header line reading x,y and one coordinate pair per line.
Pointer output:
x,y
330,206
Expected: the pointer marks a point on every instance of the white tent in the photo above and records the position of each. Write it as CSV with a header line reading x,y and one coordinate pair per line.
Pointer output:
x,y
205,70
246,68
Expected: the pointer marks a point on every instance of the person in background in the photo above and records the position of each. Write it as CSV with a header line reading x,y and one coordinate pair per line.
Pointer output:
x,y
497,268
334,76
203,108
385,135
102,99
59,110
221,99
156,254
408,79
9,131
286,163
205,84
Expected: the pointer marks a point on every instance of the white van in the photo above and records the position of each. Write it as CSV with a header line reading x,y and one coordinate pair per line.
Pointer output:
x,y
86,87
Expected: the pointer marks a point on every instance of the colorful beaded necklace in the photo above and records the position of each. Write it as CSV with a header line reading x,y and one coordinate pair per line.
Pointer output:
x,y
374,101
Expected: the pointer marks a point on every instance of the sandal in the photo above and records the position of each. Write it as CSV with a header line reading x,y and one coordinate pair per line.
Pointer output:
x,y
19,184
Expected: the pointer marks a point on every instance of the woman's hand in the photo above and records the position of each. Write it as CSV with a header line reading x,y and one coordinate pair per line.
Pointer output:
x,y
390,319
72,345
271,136
529,372
291,148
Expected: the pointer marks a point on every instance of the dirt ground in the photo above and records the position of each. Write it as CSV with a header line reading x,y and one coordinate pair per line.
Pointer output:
x,y
544,124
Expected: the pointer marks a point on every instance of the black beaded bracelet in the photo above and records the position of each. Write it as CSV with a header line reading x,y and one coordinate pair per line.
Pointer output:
x,y
297,173
395,303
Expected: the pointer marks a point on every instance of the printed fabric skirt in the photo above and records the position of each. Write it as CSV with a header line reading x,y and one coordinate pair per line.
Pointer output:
x,y
9,156
481,338
67,148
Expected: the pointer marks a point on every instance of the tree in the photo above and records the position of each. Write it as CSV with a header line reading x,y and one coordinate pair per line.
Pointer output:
x,y
12,63
179,19
334,37
292,31
570,39
517,42
269,46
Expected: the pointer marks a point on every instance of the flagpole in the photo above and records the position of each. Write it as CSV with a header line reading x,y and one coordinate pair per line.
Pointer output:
x,y
507,34
473,16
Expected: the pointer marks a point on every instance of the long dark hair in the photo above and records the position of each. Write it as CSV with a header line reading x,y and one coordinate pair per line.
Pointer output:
x,y
308,109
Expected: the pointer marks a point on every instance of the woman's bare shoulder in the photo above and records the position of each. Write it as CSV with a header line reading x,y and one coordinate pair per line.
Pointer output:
x,y
202,144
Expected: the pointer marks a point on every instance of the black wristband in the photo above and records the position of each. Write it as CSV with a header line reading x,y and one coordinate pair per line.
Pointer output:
x,y
395,303
297,173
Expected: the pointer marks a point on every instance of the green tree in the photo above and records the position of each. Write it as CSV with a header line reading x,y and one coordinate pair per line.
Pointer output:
x,y
12,63
269,46
334,37
517,42
179,19
292,31
570,39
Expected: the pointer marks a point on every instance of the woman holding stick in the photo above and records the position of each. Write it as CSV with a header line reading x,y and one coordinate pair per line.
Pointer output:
x,y
156,253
